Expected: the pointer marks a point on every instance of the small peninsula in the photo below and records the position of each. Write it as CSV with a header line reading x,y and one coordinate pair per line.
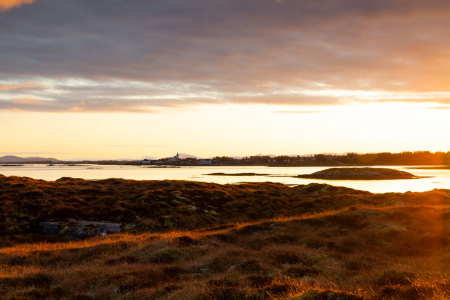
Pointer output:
x,y
359,174
237,174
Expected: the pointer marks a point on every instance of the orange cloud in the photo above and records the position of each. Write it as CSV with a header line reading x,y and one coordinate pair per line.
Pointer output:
x,y
76,109
18,86
8,4
28,101
16,110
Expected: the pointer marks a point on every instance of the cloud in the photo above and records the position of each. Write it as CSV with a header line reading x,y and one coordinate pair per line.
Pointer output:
x,y
32,153
8,4
439,98
18,86
69,105
145,56
28,101
439,107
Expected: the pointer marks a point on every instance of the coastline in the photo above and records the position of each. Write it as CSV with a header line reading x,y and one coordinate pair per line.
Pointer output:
x,y
149,205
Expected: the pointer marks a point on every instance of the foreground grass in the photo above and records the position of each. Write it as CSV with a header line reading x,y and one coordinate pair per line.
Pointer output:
x,y
364,246
366,253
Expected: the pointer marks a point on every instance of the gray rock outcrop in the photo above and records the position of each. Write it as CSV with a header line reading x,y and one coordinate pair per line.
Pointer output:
x,y
74,229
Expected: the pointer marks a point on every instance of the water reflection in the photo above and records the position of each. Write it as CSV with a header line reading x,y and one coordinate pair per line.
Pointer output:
x,y
440,179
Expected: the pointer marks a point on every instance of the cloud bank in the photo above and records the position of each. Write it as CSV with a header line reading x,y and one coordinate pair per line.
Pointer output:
x,y
8,4
145,56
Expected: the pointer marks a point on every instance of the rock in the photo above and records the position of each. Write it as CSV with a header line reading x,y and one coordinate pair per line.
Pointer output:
x,y
359,174
74,229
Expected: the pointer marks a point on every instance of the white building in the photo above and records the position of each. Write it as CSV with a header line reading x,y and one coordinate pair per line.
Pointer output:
x,y
175,158
205,162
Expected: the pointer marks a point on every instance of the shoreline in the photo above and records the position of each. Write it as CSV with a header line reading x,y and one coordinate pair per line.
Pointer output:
x,y
290,165
184,204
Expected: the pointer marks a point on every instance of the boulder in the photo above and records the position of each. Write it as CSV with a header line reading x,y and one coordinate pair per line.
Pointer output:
x,y
74,229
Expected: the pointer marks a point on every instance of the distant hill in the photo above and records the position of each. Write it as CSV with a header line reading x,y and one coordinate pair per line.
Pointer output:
x,y
327,153
145,157
11,158
185,155
89,159
270,155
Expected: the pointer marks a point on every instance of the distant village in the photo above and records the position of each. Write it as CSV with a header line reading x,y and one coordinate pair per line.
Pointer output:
x,y
351,158
252,160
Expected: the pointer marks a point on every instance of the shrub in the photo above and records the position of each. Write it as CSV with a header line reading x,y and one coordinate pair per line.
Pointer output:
x,y
260,280
395,277
327,295
38,280
250,266
284,238
174,272
314,243
185,241
226,238
129,259
292,258
165,256
278,289
301,272
220,264
356,265
257,244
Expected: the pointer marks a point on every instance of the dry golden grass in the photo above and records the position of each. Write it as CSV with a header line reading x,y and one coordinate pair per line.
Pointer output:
x,y
345,244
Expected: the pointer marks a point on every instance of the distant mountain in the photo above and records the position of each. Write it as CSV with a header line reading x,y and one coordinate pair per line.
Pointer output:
x,y
185,155
87,159
328,153
303,155
270,155
11,158
149,157
142,158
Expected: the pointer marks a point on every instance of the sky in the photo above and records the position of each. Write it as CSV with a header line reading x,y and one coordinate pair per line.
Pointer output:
x,y
115,79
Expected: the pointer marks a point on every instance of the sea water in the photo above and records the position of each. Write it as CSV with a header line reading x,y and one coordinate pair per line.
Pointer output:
x,y
439,179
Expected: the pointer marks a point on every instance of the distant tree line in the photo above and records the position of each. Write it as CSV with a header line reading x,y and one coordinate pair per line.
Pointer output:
x,y
383,158
402,158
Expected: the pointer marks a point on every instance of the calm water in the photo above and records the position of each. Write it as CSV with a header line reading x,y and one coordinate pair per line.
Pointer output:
x,y
441,178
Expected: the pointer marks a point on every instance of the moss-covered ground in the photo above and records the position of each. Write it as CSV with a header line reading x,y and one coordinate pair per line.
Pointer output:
x,y
189,240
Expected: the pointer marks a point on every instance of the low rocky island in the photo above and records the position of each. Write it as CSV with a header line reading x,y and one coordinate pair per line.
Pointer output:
x,y
359,174
237,174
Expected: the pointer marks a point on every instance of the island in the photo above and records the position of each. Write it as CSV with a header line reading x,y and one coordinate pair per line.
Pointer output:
x,y
237,174
359,174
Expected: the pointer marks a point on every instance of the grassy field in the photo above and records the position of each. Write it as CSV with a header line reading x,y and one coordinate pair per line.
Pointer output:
x,y
188,240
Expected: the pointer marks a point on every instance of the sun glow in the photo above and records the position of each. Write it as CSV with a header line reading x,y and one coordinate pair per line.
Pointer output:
x,y
256,128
